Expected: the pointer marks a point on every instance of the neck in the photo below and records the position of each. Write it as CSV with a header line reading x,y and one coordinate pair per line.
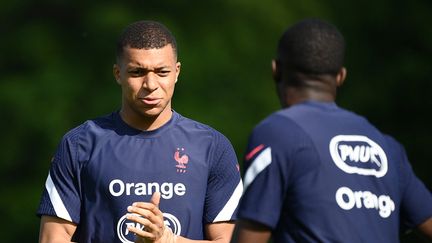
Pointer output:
x,y
311,90
145,122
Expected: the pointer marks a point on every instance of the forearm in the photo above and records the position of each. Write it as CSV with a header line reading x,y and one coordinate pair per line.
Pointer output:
x,y
426,228
249,231
167,238
54,239
180,239
149,216
213,232
55,230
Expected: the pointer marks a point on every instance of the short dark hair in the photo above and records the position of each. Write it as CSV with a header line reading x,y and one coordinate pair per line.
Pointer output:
x,y
145,34
312,47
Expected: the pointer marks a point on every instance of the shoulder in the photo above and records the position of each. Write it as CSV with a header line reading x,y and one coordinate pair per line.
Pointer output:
x,y
394,146
90,129
196,128
278,126
207,138
284,140
77,143
392,141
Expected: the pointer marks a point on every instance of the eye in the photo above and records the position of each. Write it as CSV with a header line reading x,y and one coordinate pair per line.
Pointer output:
x,y
136,72
163,72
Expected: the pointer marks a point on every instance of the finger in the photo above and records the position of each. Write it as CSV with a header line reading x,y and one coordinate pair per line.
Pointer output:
x,y
149,229
141,233
148,225
148,206
139,219
154,215
155,199
144,212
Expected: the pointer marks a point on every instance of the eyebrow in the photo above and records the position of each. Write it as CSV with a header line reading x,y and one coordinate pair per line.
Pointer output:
x,y
148,69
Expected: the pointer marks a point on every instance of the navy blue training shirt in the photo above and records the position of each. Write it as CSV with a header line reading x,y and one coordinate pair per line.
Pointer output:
x,y
103,166
319,173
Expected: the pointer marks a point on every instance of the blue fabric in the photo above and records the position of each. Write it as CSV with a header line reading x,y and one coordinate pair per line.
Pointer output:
x,y
333,177
103,166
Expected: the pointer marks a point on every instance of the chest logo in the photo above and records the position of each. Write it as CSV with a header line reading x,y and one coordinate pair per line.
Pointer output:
x,y
181,160
356,154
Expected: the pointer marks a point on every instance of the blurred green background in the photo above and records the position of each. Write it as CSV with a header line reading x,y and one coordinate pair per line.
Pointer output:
x,y
56,62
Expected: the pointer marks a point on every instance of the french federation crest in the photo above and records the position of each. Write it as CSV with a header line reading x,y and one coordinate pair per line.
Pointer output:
x,y
182,160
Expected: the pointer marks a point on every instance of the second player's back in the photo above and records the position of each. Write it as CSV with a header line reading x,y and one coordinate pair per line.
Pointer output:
x,y
343,174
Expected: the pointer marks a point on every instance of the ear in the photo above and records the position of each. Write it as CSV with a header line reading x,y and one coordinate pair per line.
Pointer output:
x,y
116,73
340,76
178,65
276,70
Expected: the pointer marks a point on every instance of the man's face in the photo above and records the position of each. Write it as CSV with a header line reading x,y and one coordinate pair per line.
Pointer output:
x,y
147,78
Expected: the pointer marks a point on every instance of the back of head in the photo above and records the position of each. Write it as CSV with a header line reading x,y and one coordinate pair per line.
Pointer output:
x,y
145,34
311,47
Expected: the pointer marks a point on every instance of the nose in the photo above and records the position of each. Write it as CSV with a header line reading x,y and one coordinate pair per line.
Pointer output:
x,y
150,82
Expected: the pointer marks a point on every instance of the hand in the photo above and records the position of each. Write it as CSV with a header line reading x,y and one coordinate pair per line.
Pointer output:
x,y
148,215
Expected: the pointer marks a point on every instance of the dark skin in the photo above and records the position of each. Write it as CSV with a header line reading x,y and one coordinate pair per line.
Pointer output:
x,y
318,88
321,88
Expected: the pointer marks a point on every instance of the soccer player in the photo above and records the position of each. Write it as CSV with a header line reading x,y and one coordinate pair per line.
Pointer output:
x,y
316,172
144,171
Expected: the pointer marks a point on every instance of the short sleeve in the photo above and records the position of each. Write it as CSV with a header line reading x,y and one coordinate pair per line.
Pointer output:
x,y
416,201
263,179
278,154
224,186
61,195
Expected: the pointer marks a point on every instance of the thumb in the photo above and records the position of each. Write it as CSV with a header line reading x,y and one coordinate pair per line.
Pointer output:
x,y
155,199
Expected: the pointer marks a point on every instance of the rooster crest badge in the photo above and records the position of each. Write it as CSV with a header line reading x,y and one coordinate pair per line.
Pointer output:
x,y
182,160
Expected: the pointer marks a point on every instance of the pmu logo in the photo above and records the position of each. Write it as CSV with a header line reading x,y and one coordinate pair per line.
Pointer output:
x,y
173,223
181,160
357,154
126,236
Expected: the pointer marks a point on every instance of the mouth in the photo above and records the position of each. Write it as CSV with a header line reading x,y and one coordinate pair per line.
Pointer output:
x,y
150,101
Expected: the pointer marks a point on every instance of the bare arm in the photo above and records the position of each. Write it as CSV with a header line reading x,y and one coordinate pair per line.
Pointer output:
x,y
155,231
249,231
218,232
55,230
426,228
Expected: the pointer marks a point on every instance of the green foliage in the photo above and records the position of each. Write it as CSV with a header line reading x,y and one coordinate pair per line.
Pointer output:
x,y
56,71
